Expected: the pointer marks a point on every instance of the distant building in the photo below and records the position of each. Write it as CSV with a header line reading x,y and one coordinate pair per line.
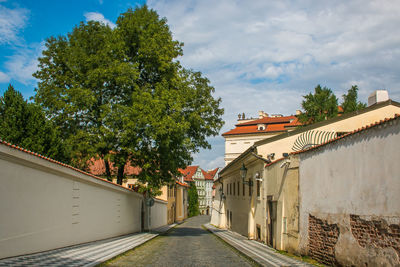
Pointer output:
x,y
250,130
204,183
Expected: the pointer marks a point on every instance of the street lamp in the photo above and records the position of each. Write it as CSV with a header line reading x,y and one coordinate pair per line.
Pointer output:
x,y
243,173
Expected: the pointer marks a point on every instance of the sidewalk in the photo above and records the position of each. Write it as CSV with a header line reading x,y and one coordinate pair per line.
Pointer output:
x,y
88,254
259,252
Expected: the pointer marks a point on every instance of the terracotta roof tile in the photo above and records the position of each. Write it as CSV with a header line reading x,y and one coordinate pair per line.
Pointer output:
x,y
273,124
213,172
188,173
396,116
207,176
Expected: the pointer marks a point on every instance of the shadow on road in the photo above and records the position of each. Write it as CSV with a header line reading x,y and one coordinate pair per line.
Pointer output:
x,y
186,231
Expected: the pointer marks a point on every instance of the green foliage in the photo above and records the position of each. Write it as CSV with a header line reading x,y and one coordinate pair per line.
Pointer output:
x,y
350,102
123,90
25,125
193,209
319,106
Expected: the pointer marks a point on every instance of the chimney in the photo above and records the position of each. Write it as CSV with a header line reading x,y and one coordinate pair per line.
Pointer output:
x,y
262,114
377,97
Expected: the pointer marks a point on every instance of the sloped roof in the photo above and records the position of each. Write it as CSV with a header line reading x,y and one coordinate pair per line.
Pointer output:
x,y
182,184
207,176
213,172
310,127
188,173
273,124
362,129
359,130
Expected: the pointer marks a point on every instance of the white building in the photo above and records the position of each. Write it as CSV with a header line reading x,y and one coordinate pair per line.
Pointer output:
x,y
204,182
249,131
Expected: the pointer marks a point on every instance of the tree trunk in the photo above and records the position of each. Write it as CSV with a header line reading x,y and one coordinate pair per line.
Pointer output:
x,y
120,174
108,171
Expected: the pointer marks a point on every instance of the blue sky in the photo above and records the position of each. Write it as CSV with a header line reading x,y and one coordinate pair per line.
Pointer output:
x,y
259,55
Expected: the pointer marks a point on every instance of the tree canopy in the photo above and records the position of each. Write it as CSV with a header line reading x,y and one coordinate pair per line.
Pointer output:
x,y
319,106
122,95
350,100
193,209
323,104
24,124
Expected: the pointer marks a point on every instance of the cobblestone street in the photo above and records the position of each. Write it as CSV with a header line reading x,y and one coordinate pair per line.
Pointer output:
x,y
186,245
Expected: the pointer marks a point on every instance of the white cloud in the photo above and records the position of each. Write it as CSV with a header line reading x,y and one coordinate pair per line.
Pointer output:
x,y
12,21
265,55
24,63
98,17
4,78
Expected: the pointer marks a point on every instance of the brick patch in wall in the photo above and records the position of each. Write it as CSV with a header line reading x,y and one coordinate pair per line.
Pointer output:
x,y
322,238
375,232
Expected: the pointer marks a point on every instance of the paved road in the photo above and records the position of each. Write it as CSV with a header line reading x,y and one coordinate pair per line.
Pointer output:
x,y
186,245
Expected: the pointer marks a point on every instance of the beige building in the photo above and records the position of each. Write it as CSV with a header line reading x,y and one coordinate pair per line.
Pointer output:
x,y
177,201
268,210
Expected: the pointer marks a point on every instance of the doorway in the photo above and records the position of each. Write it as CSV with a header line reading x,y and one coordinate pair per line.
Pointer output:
x,y
271,220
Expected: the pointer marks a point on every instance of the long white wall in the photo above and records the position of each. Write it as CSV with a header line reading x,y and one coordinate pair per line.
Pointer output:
x,y
44,205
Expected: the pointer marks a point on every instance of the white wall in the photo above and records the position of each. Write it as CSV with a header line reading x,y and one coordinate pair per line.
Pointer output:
x,y
357,175
44,205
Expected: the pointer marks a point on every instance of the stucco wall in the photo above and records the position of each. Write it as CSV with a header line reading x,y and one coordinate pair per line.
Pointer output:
x,y
352,185
44,205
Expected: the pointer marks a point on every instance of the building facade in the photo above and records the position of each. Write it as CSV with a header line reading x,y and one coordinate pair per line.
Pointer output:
x,y
266,204
204,183
249,131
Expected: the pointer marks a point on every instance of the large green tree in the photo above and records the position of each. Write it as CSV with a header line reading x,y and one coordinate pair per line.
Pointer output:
x,y
350,100
193,198
24,124
319,106
121,94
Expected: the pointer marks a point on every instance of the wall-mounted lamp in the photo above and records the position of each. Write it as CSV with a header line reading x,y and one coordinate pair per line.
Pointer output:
x,y
221,193
243,173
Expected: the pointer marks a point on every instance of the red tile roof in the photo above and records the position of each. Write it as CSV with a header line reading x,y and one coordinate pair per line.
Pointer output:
x,y
182,184
58,163
213,172
188,173
98,167
273,124
207,176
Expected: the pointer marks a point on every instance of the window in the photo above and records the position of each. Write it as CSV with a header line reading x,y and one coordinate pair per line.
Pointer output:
x,y
230,188
250,181
258,188
238,189
234,193
243,190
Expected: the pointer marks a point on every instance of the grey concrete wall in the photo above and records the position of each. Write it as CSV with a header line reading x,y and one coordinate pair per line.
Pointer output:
x,y
44,205
352,186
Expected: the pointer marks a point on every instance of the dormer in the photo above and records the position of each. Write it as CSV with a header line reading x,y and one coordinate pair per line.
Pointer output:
x,y
261,126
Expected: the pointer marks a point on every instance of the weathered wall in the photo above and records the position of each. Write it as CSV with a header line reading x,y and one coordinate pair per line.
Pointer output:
x,y
281,185
350,201
44,205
